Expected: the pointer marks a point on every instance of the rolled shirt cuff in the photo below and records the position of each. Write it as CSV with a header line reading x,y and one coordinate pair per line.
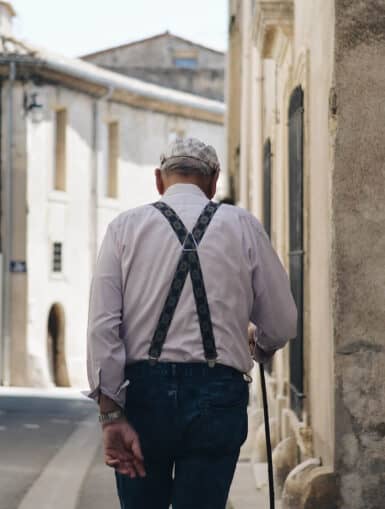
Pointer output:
x,y
267,344
118,396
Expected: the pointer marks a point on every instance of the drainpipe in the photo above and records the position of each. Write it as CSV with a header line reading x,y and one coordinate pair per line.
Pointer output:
x,y
6,304
1,237
95,174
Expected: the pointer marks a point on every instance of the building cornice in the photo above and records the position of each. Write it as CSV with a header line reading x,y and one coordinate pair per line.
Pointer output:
x,y
273,23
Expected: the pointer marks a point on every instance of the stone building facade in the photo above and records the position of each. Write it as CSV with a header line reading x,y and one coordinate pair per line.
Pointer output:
x,y
170,61
78,146
306,155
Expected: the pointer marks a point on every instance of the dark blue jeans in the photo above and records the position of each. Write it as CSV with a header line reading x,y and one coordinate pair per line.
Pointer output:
x,y
191,421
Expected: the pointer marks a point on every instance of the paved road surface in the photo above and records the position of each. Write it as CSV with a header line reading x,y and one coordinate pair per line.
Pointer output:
x,y
51,455
34,426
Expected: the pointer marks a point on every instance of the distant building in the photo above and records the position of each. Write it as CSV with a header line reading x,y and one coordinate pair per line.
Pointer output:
x,y
79,144
170,61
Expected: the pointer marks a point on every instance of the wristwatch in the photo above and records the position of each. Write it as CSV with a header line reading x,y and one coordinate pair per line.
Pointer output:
x,y
110,416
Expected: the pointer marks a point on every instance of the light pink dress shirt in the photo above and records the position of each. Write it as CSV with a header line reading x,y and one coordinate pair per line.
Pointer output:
x,y
244,279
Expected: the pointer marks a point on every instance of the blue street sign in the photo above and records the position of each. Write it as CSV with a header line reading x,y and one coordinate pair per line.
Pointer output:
x,y
18,266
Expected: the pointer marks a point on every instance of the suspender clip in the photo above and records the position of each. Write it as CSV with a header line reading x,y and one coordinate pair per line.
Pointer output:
x,y
211,362
152,360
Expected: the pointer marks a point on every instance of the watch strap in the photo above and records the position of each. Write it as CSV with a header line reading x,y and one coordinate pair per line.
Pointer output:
x,y
110,416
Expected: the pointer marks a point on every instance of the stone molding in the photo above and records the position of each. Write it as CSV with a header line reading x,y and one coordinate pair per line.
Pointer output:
x,y
273,22
311,485
302,432
284,461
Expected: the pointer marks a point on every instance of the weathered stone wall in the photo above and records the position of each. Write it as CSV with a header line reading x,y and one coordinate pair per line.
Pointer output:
x,y
153,60
358,253
204,82
156,52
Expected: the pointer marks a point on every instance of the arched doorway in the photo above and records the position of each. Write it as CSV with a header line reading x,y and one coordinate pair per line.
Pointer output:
x,y
56,346
296,135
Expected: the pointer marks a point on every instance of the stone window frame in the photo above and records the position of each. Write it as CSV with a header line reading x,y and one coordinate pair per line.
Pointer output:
x,y
299,76
273,24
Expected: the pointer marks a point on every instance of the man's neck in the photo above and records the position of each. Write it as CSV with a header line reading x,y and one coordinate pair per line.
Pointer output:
x,y
178,179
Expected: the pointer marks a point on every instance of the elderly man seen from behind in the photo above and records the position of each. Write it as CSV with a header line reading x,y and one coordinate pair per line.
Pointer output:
x,y
176,284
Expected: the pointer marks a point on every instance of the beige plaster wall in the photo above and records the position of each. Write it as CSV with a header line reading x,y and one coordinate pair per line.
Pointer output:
x,y
66,217
313,64
307,61
233,96
304,59
16,347
58,216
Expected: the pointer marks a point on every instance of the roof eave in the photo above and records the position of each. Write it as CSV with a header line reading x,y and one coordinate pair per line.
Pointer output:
x,y
182,104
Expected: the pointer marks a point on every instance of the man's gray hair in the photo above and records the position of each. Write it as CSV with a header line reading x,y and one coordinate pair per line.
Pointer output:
x,y
187,166
190,156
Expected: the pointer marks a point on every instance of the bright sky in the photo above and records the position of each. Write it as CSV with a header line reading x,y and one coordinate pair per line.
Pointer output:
x,y
76,27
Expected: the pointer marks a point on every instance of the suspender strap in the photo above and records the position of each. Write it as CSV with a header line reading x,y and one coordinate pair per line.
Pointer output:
x,y
188,262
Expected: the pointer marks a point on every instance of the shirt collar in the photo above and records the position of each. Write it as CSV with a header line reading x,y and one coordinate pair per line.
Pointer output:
x,y
184,189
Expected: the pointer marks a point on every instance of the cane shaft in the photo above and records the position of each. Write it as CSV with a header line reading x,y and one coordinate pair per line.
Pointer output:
x,y
267,434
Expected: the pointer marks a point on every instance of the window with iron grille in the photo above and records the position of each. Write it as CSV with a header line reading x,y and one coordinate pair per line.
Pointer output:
x,y
57,257
296,134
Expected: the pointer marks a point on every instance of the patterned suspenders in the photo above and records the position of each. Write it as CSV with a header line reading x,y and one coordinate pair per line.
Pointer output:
x,y
188,263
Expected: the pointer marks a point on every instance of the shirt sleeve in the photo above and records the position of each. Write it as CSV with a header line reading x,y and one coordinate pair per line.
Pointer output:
x,y
106,357
274,312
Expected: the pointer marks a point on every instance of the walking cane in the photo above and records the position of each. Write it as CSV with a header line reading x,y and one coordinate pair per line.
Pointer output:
x,y
267,434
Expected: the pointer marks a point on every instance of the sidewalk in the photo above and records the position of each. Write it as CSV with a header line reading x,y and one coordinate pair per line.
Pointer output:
x,y
250,488
45,392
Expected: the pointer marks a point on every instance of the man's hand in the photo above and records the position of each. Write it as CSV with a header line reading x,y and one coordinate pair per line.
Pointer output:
x,y
122,449
251,336
259,355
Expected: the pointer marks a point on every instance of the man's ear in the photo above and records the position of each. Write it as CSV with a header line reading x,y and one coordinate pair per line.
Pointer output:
x,y
159,181
213,185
